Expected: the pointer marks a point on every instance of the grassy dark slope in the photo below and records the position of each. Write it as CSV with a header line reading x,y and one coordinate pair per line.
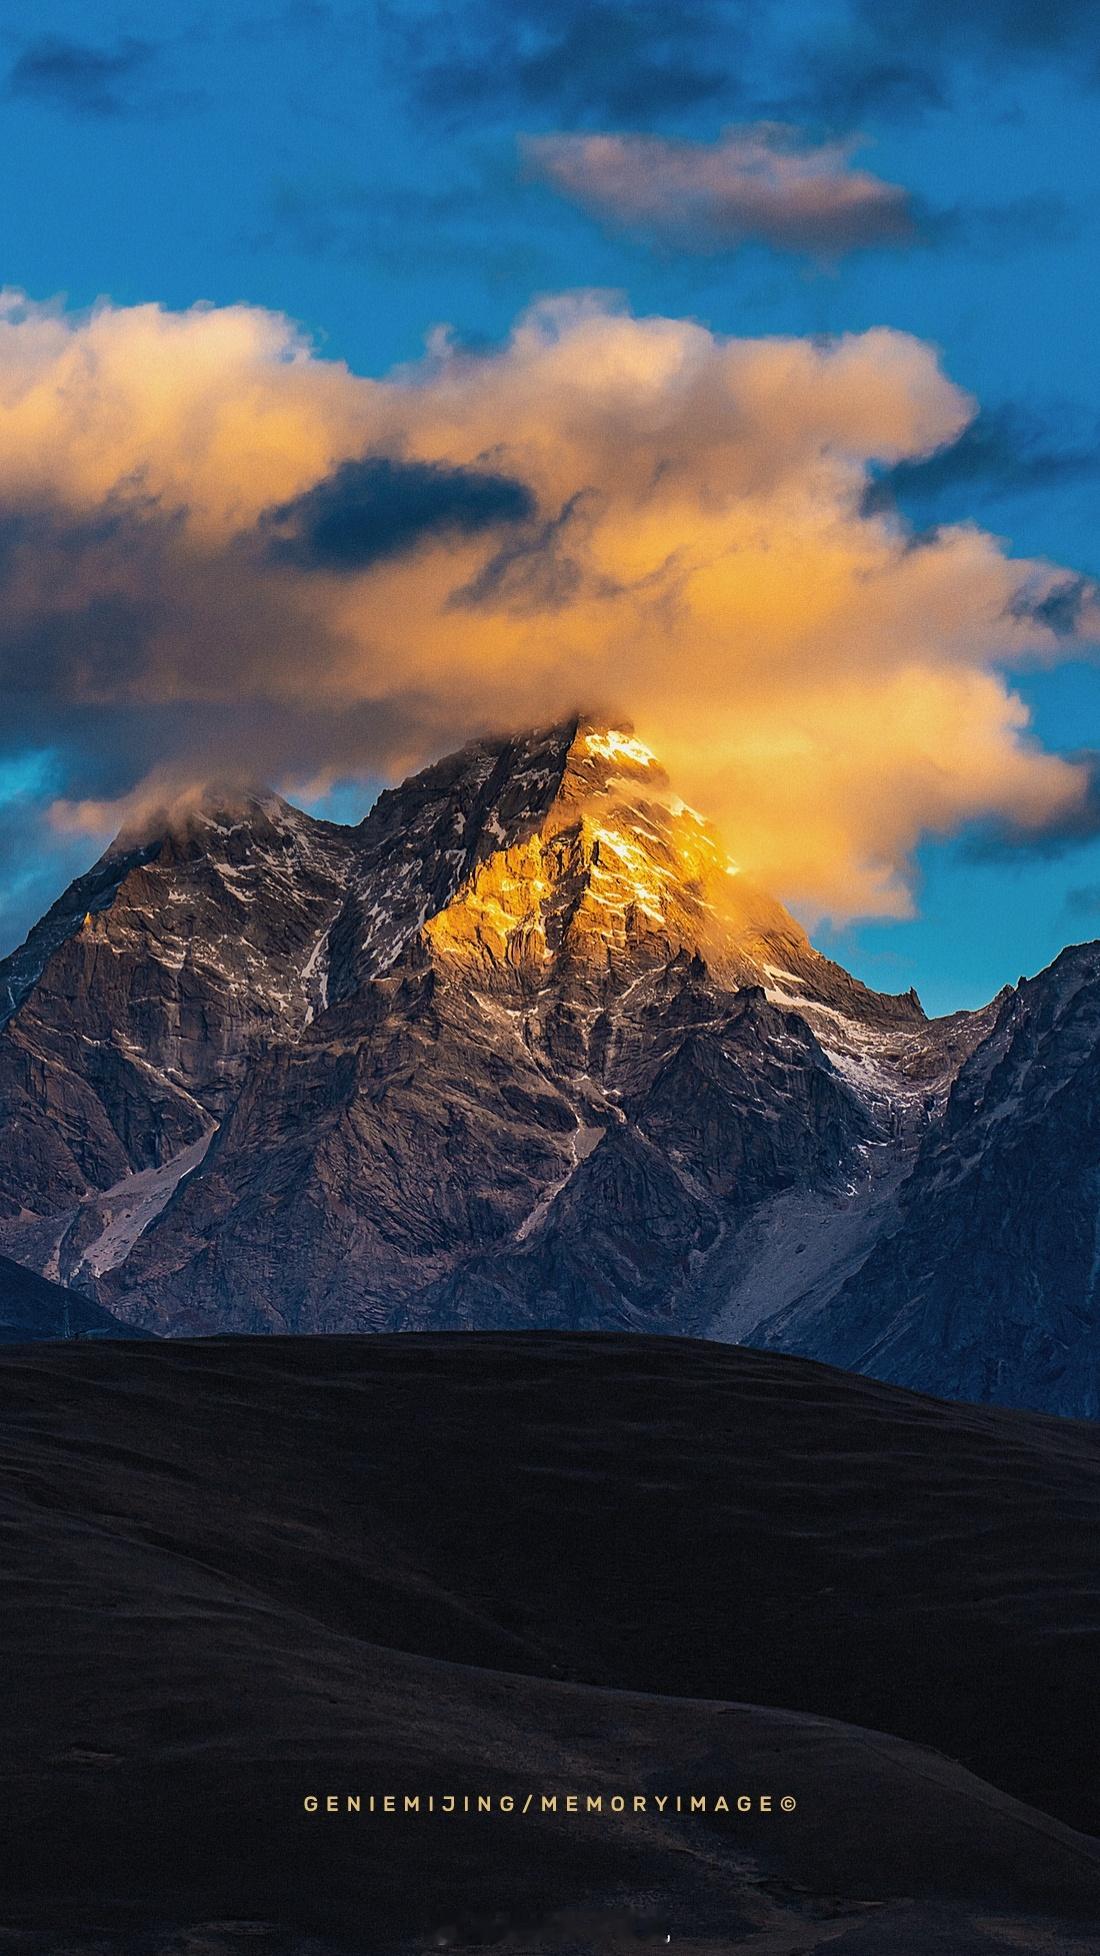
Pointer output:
x,y
241,1571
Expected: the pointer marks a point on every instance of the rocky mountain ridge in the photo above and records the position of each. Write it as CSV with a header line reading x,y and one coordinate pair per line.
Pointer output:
x,y
524,1047
989,1288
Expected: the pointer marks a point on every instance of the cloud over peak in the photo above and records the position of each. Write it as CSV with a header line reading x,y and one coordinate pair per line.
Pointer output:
x,y
760,181
224,557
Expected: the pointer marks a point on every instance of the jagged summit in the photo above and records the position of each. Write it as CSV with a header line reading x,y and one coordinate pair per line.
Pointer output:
x,y
565,852
203,809
564,847
556,866
524,1043
604,865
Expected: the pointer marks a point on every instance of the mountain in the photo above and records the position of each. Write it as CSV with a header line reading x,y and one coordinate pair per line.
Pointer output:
x,y
525,1048
32,1309
244,1571
294,1077
138,1003
989,1287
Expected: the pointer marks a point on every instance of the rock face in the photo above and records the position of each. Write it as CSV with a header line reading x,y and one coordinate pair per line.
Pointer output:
x,y
989,1288
139,1002
525,1048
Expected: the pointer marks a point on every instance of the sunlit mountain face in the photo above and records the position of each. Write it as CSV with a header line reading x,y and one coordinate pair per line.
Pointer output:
x,y
523,1047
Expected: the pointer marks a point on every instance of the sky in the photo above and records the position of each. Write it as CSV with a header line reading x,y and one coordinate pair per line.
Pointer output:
x,y
373,374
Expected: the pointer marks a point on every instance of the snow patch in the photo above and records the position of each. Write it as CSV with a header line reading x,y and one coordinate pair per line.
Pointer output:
x,y
805,1005
132,1205
581,1143
612,746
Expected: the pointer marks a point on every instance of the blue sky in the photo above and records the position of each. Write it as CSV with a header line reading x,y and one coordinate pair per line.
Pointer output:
x,y
361,169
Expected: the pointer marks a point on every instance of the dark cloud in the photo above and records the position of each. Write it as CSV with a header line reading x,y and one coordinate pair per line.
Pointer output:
x,y
1083,900
377,508
37,527
468,226
628,60
853,80
898,57
538,570
998,230
1063,609
637,63
86,80
128,652
1004,451
87,604
104,609
993,27
1003,841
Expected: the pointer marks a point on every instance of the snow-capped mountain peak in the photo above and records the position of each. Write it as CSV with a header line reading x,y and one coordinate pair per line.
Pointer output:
x,y
525,1046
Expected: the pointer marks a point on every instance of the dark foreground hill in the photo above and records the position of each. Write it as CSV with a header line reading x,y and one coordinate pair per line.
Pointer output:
x,y
32,1307
242,1572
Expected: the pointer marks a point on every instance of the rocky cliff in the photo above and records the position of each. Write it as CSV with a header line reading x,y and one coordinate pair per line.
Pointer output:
x,y
988,1287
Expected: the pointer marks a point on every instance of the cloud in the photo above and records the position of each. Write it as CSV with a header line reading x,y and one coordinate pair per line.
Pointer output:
x,y
379,507
1016,28
587,59
759,181
1083,900
906,57
585,64
470,225
539,569
1000,230
856,78
1005,450
1004,837
86,80
628,515
1065,607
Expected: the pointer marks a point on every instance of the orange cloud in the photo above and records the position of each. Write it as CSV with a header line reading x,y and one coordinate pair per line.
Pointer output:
x,y
758,181
628,515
